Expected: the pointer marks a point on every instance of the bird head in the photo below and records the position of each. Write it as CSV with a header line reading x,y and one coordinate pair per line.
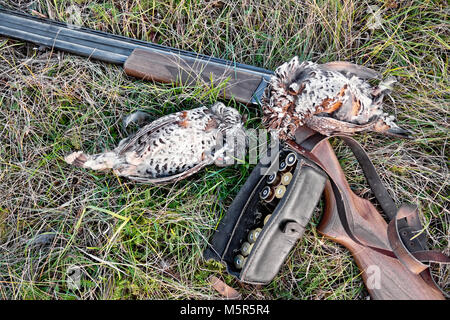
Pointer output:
x,y
386,125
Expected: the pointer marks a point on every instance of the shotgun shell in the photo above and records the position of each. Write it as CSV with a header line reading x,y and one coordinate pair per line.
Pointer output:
x,y
246,248
283,166
267,194
291,158
253,235
286,178
279,191
239,261
273,179
266,218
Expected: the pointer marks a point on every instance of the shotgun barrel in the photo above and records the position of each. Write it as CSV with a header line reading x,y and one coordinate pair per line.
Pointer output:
x,y
243,82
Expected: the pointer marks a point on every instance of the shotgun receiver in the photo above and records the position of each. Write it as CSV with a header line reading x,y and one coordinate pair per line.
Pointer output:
x,y
360,227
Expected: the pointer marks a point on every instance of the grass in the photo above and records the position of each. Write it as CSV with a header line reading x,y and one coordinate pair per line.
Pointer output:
x,y
137,242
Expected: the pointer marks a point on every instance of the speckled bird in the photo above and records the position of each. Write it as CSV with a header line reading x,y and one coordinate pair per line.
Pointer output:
x,y
172,147
330,98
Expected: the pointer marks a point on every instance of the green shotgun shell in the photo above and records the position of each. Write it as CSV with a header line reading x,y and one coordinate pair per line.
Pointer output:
x,y
279,191
246,248
286,178
253,235
239,261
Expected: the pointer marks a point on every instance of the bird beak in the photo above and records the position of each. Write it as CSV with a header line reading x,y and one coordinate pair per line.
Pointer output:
x,y
399,133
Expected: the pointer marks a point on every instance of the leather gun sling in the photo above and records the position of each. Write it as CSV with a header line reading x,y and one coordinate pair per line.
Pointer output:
x,y
412,260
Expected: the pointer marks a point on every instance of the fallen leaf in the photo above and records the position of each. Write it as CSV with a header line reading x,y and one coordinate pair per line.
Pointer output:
x,y
224,289
391,4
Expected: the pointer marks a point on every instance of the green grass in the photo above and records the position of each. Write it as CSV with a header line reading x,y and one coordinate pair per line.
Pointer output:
x,y
137,241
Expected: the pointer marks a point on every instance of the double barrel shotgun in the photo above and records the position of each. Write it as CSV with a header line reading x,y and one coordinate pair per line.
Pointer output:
x,y
393,258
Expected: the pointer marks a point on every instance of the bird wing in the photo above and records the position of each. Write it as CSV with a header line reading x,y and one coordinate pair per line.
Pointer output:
x,y
145,131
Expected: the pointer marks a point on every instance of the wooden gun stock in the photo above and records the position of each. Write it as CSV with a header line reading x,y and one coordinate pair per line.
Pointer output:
x,y
385,277
244,86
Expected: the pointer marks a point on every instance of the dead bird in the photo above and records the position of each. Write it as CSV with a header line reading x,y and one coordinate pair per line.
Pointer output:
x,y
172,147
330,98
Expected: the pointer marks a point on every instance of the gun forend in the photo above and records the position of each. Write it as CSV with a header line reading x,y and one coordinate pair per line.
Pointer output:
x,y
243,85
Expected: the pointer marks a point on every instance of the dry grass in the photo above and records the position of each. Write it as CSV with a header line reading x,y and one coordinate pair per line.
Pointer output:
x,y
134,241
